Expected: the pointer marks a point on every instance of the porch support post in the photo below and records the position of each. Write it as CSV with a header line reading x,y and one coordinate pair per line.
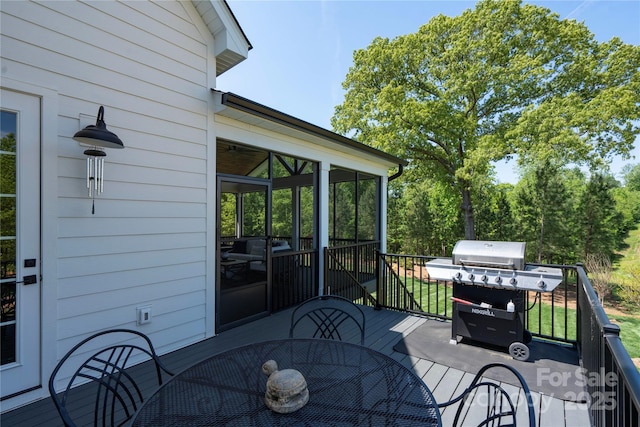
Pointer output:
x,y
382,213
323,221
295,217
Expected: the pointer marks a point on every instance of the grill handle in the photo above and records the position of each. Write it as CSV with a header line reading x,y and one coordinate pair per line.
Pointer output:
x,y
488,263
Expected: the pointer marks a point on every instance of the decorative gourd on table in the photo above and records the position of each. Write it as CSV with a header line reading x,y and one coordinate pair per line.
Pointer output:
x,y
286,389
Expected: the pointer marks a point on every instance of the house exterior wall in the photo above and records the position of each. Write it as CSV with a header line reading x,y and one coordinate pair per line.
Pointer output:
x,y
151,240
151,66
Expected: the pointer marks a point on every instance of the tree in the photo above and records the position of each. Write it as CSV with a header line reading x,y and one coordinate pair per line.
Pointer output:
x,y
598,267
493,216
631,175
599,220
543,210
501,80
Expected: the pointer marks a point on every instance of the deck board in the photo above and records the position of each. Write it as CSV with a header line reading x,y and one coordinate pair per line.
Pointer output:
x,y
552,410
383,329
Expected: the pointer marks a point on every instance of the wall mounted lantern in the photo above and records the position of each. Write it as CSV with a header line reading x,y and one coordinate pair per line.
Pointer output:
x,y
97,136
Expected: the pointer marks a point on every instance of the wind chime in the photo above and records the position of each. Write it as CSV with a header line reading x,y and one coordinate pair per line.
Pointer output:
x,y
97,136
95,174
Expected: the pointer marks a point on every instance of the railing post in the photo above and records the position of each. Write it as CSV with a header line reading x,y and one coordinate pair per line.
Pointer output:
x,y
323,287
378,279
607,368
579,291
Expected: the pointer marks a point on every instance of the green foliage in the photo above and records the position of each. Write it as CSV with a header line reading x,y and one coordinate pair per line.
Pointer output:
x,y
228,214
342,205
494,216
254,214
282,217
632,177
541,201
8,213
503,79
599,221
626,273
423,218
627,202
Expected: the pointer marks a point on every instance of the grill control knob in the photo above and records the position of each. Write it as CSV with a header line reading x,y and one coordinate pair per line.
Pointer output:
x,y
498,280
513,280
541,284
458,276
471,276
484,278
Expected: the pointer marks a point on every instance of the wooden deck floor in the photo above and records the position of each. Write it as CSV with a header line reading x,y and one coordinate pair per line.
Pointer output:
x,y
383,329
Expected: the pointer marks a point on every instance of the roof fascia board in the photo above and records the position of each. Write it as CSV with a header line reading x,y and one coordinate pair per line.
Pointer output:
x,y
231,43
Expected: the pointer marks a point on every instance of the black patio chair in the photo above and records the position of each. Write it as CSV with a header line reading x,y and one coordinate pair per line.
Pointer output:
x,y
108,394
484,403
329,317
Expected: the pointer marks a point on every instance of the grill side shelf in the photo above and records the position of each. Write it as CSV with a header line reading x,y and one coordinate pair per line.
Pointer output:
x,y
489,312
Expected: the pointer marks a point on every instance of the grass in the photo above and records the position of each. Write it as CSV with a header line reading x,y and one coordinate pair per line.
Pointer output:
x,y
623,269
629,258
629,332
544,320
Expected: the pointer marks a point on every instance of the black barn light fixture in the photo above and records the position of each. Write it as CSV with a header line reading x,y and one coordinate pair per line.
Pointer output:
x,y
97,136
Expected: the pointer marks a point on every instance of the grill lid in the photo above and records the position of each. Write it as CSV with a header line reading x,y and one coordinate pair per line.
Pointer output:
x,y
489,254
493,264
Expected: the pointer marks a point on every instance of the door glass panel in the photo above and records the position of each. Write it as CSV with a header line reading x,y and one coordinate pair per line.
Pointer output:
x,y
254,205
243,263
8,123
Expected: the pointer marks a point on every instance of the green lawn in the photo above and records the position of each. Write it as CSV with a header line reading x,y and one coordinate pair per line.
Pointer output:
x,y
629,258
622,272
629,332
545,321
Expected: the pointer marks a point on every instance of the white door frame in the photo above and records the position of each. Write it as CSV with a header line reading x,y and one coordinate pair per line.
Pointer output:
x,y
49,131
23,373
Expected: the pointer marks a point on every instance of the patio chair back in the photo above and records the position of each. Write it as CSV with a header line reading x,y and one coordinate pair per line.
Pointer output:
x,y
329,317
98,378
485,403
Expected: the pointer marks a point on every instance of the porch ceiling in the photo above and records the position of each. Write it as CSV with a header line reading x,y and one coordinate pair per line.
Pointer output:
x,y
238,160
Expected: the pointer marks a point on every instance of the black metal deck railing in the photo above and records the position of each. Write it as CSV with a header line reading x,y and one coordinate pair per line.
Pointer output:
x,y
294,278
404,284
350,271
571,314
611,379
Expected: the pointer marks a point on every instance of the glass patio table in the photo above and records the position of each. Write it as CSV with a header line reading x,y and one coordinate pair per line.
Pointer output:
x,y
349,385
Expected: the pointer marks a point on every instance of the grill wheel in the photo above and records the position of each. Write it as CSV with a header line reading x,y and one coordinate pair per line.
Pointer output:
x,y
519,351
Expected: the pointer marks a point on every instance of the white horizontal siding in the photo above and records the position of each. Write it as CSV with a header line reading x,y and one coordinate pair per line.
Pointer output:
x,y
120,208
110,244
149,65
101,30
118,280
178,293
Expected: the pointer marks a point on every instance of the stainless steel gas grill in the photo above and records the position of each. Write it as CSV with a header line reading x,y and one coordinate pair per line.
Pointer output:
x,y
490,280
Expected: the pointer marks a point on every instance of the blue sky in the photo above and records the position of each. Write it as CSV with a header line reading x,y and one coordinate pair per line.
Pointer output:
x,y
302,50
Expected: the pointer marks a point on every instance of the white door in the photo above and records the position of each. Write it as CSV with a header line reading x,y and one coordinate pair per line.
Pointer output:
x,y
19,243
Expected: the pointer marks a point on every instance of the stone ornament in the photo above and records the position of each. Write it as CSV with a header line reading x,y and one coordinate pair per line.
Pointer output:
x,y
286,389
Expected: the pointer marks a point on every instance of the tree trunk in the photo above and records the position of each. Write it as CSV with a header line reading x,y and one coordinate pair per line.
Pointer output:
x,y
541,237
467,212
